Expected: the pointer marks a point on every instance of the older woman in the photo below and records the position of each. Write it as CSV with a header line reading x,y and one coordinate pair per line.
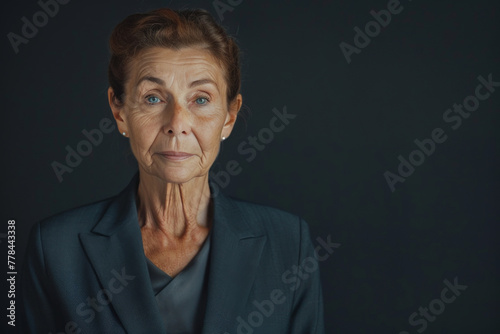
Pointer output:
x,y
167,255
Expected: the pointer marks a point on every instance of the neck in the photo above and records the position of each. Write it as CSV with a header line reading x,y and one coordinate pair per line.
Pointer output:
x,y
178,210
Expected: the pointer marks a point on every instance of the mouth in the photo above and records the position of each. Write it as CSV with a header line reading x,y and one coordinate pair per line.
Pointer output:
x,y
175,156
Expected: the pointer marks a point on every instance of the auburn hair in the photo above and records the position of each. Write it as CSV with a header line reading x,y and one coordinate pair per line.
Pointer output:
x,y
174,30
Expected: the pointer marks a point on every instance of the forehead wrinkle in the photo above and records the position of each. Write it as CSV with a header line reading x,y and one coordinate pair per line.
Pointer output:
x,y
154,59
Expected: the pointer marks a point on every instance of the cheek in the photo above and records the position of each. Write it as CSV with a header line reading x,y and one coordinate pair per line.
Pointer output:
x,y
142,123
208,132
143,128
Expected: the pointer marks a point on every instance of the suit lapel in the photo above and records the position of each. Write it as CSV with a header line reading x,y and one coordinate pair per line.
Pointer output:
x,y
234,258
116,253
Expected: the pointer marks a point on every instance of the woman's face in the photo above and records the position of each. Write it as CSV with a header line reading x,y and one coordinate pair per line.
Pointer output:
x,y
175,112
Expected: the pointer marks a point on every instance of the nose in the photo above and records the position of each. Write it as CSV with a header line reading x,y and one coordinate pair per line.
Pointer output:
x,y
177,120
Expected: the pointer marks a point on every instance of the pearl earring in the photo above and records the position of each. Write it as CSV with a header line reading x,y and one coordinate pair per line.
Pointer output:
x,y
223,138
123,133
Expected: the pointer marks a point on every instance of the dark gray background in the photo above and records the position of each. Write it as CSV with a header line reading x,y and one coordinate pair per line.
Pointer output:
x,y
353,121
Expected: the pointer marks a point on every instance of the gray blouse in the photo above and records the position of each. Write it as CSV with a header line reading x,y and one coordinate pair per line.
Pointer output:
x,y
182,299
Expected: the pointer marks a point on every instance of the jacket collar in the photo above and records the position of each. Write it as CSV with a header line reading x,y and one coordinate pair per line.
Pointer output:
x,y
121,212
115,245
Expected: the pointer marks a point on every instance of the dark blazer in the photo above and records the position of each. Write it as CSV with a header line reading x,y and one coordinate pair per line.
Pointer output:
x,y
85,269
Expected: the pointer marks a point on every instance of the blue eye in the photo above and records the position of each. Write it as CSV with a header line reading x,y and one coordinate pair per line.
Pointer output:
x,y
153,99
201,100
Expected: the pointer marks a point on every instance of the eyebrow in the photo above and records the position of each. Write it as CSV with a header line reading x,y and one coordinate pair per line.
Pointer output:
x,y
191,85
152,79
202,82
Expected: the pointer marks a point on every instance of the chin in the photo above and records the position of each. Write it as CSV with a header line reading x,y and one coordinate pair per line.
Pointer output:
x,y
176,175
172,173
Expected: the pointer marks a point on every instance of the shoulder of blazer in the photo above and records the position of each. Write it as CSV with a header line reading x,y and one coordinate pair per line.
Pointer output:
x,y
76,220
266,220
84,218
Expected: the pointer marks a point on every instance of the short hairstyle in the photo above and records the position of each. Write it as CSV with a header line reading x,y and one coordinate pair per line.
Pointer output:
x,y
174,30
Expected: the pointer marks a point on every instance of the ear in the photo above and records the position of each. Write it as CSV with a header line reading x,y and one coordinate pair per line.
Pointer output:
x,y
231,116
117,110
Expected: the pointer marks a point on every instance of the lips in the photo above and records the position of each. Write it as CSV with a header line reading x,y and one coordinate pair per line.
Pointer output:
x,y
175,156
